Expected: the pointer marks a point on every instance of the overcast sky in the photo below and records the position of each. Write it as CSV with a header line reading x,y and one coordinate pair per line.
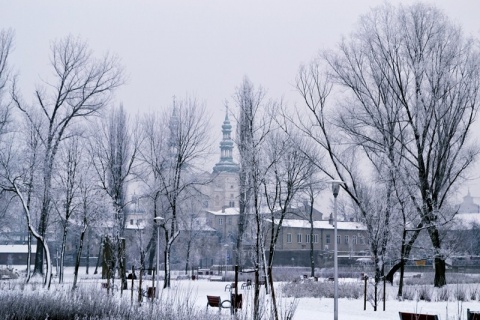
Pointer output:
x,y
197,47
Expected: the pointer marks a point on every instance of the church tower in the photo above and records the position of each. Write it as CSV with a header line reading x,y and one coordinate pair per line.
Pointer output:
x,y
225,180
226,163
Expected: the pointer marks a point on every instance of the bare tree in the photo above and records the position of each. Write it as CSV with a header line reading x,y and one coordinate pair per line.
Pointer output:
x,y
288,170
253,127
80,86
67,182
341,161
313,188
6,46
414,81
92,208
114,149
174,145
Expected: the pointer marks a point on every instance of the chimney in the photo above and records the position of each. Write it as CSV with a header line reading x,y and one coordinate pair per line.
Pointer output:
x,y
223,209
330,219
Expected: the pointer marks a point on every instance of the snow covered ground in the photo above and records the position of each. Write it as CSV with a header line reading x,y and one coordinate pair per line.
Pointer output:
x,y
316,308
309,308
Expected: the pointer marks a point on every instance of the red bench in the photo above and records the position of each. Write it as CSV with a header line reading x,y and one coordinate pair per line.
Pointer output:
x,y
215,301
417,316
473,315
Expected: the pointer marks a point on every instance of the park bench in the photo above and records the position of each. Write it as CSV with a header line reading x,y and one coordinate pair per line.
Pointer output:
x,y
106,285
417,316
215,302
247,285
230,286
473,315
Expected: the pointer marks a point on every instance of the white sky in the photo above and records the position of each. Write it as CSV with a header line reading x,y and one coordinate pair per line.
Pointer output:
x,y
202,48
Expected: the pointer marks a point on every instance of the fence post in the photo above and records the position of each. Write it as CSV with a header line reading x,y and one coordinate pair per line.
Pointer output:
x,y
365,278
140,285
384,289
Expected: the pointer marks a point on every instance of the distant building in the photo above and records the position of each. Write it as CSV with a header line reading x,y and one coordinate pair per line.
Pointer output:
x,y
16,254
293,244
468,206
225,222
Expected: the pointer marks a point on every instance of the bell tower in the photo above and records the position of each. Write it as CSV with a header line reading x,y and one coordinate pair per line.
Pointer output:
x,y
226,163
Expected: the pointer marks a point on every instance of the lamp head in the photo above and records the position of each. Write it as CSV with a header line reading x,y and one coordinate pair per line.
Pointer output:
x,y
336,186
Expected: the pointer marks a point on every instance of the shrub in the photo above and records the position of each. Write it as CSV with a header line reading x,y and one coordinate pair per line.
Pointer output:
x,y
424,293
93,304
315,289
474,293
460,293
443,294
408,293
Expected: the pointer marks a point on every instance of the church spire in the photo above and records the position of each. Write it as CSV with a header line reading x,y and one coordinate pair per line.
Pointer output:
x,y
226,163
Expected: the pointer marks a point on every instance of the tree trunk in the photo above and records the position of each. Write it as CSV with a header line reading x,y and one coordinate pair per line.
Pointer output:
x,y
187,260
29,257
408,248
272,290
77,260
440,267
87,261
166,283
42,226
402,274
62,252
312,255
99,257
122,261
256,296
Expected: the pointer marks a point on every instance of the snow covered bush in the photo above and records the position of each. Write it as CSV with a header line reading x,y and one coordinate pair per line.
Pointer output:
x,y
316,289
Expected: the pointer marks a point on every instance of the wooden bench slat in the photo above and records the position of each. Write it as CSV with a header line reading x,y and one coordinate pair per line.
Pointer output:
x,y
473,315
417,316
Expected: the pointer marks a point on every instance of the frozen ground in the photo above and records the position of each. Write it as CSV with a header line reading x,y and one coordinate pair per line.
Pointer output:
x,y
308,308
314,309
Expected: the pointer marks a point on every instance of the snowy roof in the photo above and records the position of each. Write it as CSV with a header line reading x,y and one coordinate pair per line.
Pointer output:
x,y
323,224
466,220
16,248
199,224
226,212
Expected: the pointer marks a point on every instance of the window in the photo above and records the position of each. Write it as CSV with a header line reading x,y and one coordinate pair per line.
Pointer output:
x,y
289,238
354,239
346,239
231,204
229,220
307,238
231,186
315,238
220,221
327,238
299,237
338,239
361,240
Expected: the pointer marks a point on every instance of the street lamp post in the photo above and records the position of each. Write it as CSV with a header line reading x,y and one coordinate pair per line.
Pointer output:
x,y
335,189
158,220
226,259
